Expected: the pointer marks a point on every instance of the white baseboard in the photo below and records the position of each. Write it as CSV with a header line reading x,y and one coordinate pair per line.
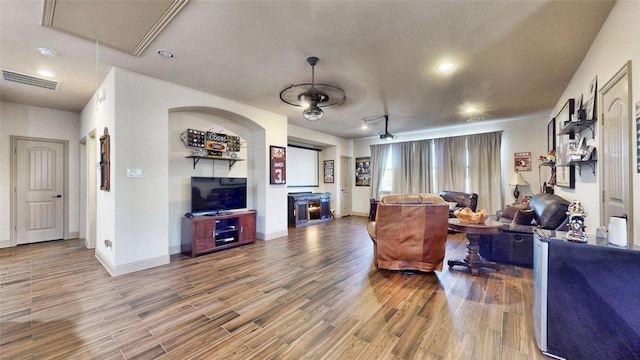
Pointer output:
x,y
176,249
272,236
133,266
5,243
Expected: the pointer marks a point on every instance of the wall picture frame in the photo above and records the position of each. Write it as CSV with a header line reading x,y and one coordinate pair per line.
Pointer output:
x,y
105,161
363,171
522,161
551,135
638,136
565,173
591,107
278,155
328,172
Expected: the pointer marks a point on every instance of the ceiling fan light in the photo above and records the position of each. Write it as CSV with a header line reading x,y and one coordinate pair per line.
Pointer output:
x,y
312,96
313,113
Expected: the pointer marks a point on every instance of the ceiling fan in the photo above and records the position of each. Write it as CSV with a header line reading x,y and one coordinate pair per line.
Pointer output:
x,y
312,96
387,135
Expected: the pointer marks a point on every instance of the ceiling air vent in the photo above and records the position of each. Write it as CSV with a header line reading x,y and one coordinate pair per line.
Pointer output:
x,y
25,79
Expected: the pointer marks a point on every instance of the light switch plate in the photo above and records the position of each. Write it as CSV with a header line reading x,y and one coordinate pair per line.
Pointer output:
x,y
134,173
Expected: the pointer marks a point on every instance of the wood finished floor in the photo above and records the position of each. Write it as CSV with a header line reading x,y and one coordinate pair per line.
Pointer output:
x,y
314,294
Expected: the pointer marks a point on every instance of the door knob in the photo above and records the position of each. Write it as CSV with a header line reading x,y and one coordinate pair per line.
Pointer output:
x,y
57,196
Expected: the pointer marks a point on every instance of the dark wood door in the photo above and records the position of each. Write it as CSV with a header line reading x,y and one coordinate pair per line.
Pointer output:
x,y
204,235
247,227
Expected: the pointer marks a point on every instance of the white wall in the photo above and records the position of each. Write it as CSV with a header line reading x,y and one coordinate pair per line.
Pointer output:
x,y
139,127
38,122
616,43
332,148
95,117
519,135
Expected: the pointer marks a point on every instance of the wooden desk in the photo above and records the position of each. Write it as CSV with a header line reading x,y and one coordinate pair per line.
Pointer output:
x,y
473,231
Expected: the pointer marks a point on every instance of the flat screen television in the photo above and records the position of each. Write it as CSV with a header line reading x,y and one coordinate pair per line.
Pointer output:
x,y
213,195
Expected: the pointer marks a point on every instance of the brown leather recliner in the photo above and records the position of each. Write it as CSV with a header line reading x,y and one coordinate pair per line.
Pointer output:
x,y
410,232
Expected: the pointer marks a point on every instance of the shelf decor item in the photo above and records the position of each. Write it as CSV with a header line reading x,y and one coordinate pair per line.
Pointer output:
x,y
576,222
278,164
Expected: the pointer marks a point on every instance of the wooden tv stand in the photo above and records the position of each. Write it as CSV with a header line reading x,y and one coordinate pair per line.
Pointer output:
x,y
203,234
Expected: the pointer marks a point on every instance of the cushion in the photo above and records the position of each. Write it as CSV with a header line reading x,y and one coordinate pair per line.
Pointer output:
x,y
523,217
510,211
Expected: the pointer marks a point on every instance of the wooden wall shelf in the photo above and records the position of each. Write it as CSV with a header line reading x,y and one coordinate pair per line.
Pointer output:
x,y
195,158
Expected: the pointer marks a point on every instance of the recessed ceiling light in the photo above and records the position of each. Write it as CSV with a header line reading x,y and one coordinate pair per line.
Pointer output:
x,y
47,52
46,73
470,110
446,68
165,53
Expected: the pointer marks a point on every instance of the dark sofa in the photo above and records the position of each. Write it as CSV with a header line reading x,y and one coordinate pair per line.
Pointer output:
x,y
514,245
462,200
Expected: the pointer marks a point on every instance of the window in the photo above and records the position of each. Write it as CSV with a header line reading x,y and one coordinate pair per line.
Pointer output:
x,y
386,185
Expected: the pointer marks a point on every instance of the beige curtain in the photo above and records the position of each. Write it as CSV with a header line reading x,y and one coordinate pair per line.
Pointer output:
x,y
411,167
485,169
379,156
468,163
450,164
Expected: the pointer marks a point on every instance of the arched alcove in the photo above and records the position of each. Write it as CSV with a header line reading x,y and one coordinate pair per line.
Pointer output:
x,y
181,169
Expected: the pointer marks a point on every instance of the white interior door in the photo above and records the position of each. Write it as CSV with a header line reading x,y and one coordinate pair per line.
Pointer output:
x,y
616,157
39,191
345,185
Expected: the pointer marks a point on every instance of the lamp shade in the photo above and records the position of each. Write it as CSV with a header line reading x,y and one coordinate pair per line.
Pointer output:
x,y
517,179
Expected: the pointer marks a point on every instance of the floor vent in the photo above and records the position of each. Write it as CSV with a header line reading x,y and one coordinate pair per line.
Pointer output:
x,y
25,79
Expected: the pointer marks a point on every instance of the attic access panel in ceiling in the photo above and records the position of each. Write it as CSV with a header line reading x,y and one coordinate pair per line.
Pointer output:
x,y
128,26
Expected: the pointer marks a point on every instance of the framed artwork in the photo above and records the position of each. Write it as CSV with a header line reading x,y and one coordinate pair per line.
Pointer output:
x,y
328,171
278,164
363,171
638,135
563,117
105,162
580,114
565,174
578,103
551,135
591,108
522,161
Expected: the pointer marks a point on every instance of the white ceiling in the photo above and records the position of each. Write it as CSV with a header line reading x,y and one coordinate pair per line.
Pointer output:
x,y
514,58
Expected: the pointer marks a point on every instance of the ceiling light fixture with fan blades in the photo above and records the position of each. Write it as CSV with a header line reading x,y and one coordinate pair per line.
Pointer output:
x,y
387,135
313,96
